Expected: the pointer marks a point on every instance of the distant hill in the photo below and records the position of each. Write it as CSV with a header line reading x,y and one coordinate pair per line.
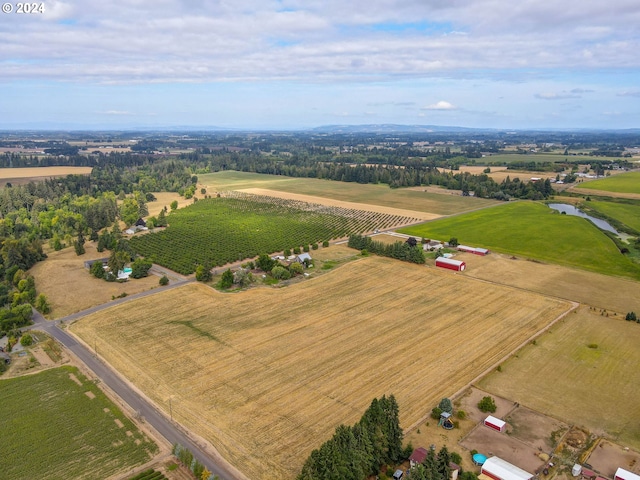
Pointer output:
x,y
392,128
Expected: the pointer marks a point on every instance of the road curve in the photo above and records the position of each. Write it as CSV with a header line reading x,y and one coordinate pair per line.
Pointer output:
x,y
147,411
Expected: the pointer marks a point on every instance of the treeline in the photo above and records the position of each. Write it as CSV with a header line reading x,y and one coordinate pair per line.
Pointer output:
x,y
399,250
356,452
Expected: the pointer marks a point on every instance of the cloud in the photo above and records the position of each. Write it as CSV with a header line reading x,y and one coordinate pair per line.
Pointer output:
x,y
441,105
629,93
119,41
556,96
581,90
116,112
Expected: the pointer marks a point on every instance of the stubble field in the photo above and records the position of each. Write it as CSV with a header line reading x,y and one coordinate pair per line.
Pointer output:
x,y
270,379
585,371
446,203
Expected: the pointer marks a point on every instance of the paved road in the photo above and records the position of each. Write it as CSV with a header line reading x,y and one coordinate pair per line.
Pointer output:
x,y
145,409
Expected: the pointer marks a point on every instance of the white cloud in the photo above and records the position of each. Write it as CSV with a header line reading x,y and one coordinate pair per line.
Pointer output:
x,y
629,93
441,105
556,96
116,112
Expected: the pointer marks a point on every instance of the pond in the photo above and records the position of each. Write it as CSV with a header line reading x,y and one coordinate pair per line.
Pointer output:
x,y
571,210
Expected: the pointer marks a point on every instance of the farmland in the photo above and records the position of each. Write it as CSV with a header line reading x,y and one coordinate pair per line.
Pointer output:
x,y
58,425
25,175
239,225
629,214
534,231
270,379
445,203
584,372
623,183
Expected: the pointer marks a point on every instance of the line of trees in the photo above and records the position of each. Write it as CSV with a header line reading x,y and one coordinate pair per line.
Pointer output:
x,y
359,451
398,250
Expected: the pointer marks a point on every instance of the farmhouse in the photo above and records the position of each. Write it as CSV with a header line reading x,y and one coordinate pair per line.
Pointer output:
x,y
495,423
451,264
432,245
499,469
622,474
474,250
418,456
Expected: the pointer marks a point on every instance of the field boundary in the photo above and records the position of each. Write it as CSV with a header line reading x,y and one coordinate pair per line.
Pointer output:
x,y
574,306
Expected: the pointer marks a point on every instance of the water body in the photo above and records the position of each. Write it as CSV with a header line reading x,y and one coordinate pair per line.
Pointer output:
x,y
571,210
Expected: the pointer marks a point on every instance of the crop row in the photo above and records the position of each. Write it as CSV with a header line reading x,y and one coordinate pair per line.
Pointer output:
x,y
149,474
236,226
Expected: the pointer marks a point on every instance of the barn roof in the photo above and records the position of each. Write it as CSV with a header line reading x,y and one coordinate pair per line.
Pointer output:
x,y
626,475
504,470
495,421
304,256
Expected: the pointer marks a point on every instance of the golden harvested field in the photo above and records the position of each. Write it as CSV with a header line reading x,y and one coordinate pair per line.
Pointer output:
x,y
422,199
164,199
26,175
266,375
602,193
561,375
338,203
603,291
70,288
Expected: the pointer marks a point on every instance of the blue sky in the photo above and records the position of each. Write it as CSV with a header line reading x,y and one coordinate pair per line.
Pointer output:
x,y
288,64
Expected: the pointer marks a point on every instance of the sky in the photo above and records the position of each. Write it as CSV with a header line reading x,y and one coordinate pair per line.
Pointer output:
x,y
296,64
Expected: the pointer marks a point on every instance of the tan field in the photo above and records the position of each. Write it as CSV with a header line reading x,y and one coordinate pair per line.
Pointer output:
x,y
164,199
269,379
603,291
602,193
585,371
70,288
26,175
338,203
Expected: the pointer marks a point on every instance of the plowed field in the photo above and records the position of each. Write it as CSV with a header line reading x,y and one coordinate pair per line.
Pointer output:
x,y
267,375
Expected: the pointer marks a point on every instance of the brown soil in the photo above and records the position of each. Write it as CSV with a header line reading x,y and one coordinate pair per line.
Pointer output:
x,y
606,457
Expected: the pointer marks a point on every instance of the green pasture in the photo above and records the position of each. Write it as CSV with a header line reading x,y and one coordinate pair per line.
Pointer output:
x,y
533,230
506,158
51,429
444,203
628,214
622,183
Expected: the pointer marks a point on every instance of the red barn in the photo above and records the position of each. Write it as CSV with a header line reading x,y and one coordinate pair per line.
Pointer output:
x,y
495,423
451,264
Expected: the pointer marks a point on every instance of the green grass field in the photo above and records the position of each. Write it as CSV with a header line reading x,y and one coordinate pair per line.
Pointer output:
x,y
534,231
625,213
623,183
506,158
51,428
441,204
584,372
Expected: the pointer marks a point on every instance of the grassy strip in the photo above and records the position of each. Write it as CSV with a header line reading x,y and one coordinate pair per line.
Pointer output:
x,y
623,183
51,428
534,231
627,214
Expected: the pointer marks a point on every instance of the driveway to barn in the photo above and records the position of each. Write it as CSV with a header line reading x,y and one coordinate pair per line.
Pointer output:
x,y
144,408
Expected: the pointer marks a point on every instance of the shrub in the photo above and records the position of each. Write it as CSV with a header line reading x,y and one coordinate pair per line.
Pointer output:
x,y
631,317
227,279
164,280
455,458
461,414
487,404
280,273
203,274
97,270
445,405
287,252
593,346
296,250
26,340
325,243
305,248
435,413
314,246
296,268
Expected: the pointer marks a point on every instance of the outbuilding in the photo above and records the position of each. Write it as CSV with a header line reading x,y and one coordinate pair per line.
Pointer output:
x,y
451,264
495,423
475,250
499,469
418,456
622,474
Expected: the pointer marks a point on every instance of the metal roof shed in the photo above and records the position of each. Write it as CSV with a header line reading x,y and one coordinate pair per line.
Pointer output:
x,y
500,469
622,474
